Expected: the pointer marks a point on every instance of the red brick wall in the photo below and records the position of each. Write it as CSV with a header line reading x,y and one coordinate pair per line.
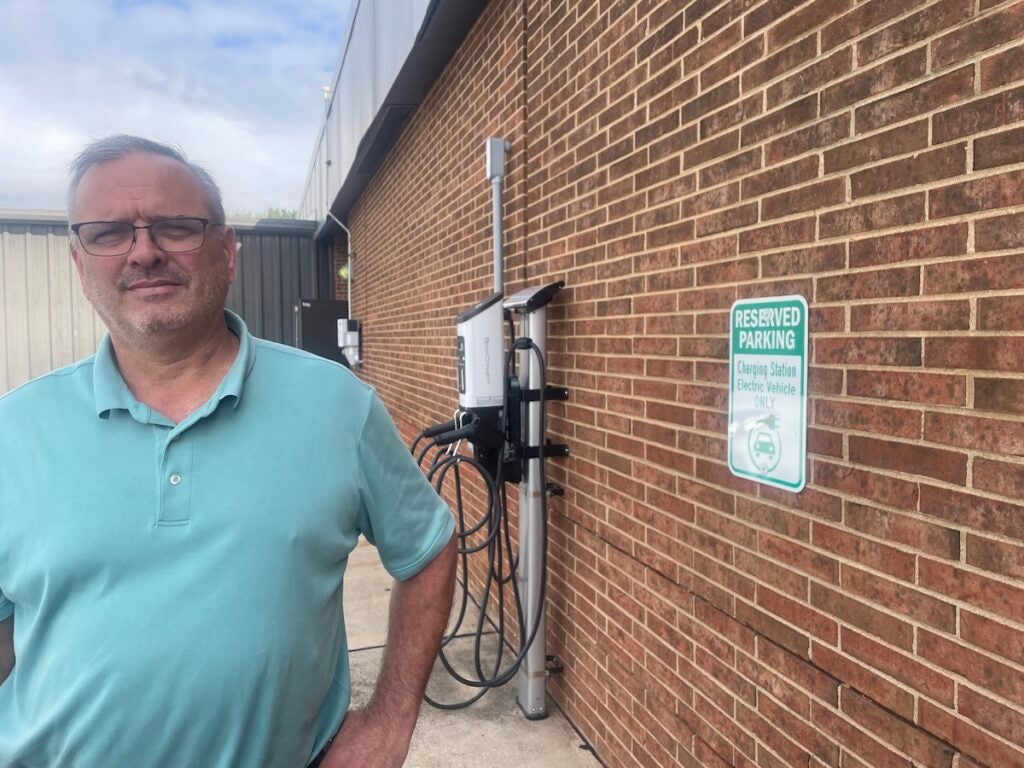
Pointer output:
x,y
669,158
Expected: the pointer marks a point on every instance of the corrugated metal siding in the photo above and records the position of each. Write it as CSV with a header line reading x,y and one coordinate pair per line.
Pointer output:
x,y
274,273
46,322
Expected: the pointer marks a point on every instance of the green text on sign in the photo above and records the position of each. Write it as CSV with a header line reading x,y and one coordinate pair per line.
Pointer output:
x,y
768,391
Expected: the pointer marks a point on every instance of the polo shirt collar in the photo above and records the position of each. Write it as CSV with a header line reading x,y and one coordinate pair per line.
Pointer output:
x,y
111,393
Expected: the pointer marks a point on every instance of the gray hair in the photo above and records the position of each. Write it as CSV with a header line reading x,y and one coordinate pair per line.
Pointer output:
x,y
111,148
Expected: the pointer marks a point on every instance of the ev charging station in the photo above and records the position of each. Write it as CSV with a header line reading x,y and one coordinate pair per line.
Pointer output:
x,y
503,393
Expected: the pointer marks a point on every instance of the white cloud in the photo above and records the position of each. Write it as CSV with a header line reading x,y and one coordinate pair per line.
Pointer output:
x,y
236,84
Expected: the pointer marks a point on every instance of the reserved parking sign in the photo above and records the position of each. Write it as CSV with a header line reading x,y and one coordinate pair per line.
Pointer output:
x,y
768,391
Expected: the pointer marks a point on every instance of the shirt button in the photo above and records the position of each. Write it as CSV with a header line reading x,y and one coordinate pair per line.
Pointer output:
x,y
175,479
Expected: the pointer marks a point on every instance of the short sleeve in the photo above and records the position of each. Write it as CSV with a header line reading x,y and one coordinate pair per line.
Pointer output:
x,y
401,513
6,608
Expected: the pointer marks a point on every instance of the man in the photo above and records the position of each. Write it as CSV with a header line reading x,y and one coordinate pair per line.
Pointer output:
x,y
176,514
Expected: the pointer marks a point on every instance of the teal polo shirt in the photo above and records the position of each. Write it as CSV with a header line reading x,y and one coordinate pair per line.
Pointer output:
x,y
177,589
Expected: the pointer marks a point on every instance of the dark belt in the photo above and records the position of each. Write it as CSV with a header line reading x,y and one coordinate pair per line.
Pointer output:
x,y
319,758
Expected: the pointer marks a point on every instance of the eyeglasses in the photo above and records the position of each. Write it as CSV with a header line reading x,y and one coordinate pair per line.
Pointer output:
x,y
117,238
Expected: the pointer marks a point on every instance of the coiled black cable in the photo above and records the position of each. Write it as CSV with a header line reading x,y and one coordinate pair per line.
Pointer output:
x,y
502,561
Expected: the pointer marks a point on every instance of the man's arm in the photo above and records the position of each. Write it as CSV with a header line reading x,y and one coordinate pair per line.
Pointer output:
x,y
6,647
378,736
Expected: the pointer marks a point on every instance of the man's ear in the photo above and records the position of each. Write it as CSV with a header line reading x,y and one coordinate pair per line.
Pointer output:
x,y
231,251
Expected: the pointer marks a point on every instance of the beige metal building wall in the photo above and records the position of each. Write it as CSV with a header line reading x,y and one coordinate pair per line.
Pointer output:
x,y
45,320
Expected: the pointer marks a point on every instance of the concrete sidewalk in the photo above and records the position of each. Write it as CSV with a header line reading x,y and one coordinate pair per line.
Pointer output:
x,y
490,733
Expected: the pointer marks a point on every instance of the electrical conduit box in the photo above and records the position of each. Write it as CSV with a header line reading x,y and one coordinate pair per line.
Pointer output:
x,y
480,349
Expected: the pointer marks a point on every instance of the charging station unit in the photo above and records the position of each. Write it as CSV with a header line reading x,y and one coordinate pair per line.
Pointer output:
x,y
503,393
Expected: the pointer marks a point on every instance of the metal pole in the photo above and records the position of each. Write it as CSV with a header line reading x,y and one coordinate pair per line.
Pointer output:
x,y
499,260
533,672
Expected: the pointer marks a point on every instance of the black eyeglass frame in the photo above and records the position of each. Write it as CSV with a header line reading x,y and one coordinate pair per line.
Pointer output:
x,y
135,229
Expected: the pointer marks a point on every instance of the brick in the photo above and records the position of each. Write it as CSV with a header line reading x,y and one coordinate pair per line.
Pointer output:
x,y
817,624
723,221
821,134
980,35
779,520
900,598
811,197
940,389
808,737
895,141
731,116
899,666
995,556
710,250
999,232
853,612
780,177
999,149
999,477
765,624
934,242
812,15
913,29
779,63
987,673
924,97
778,577
777,235
897,422
999,273
862,350
882,283
971,740
709,150
903,529
730,272
949,466
979,115
825,258
878,79
982,591
911,171
1002,68
991,635
981,353
859,549
971,511
992,716
863,679
999,395
855,740
732,167
863,18
883,214
889,491
729,65
1003,313
711,100
766,13
713,47
811,78
912,316
790,116
905,736
988,435
997,191
799,557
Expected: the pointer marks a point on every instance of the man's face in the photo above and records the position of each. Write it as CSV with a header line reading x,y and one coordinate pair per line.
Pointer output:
x,y
149,291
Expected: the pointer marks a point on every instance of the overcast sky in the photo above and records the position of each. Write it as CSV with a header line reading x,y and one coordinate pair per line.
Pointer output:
x,y
235,83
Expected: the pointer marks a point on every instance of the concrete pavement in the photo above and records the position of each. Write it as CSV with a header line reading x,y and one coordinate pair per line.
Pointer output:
x,y
491,732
